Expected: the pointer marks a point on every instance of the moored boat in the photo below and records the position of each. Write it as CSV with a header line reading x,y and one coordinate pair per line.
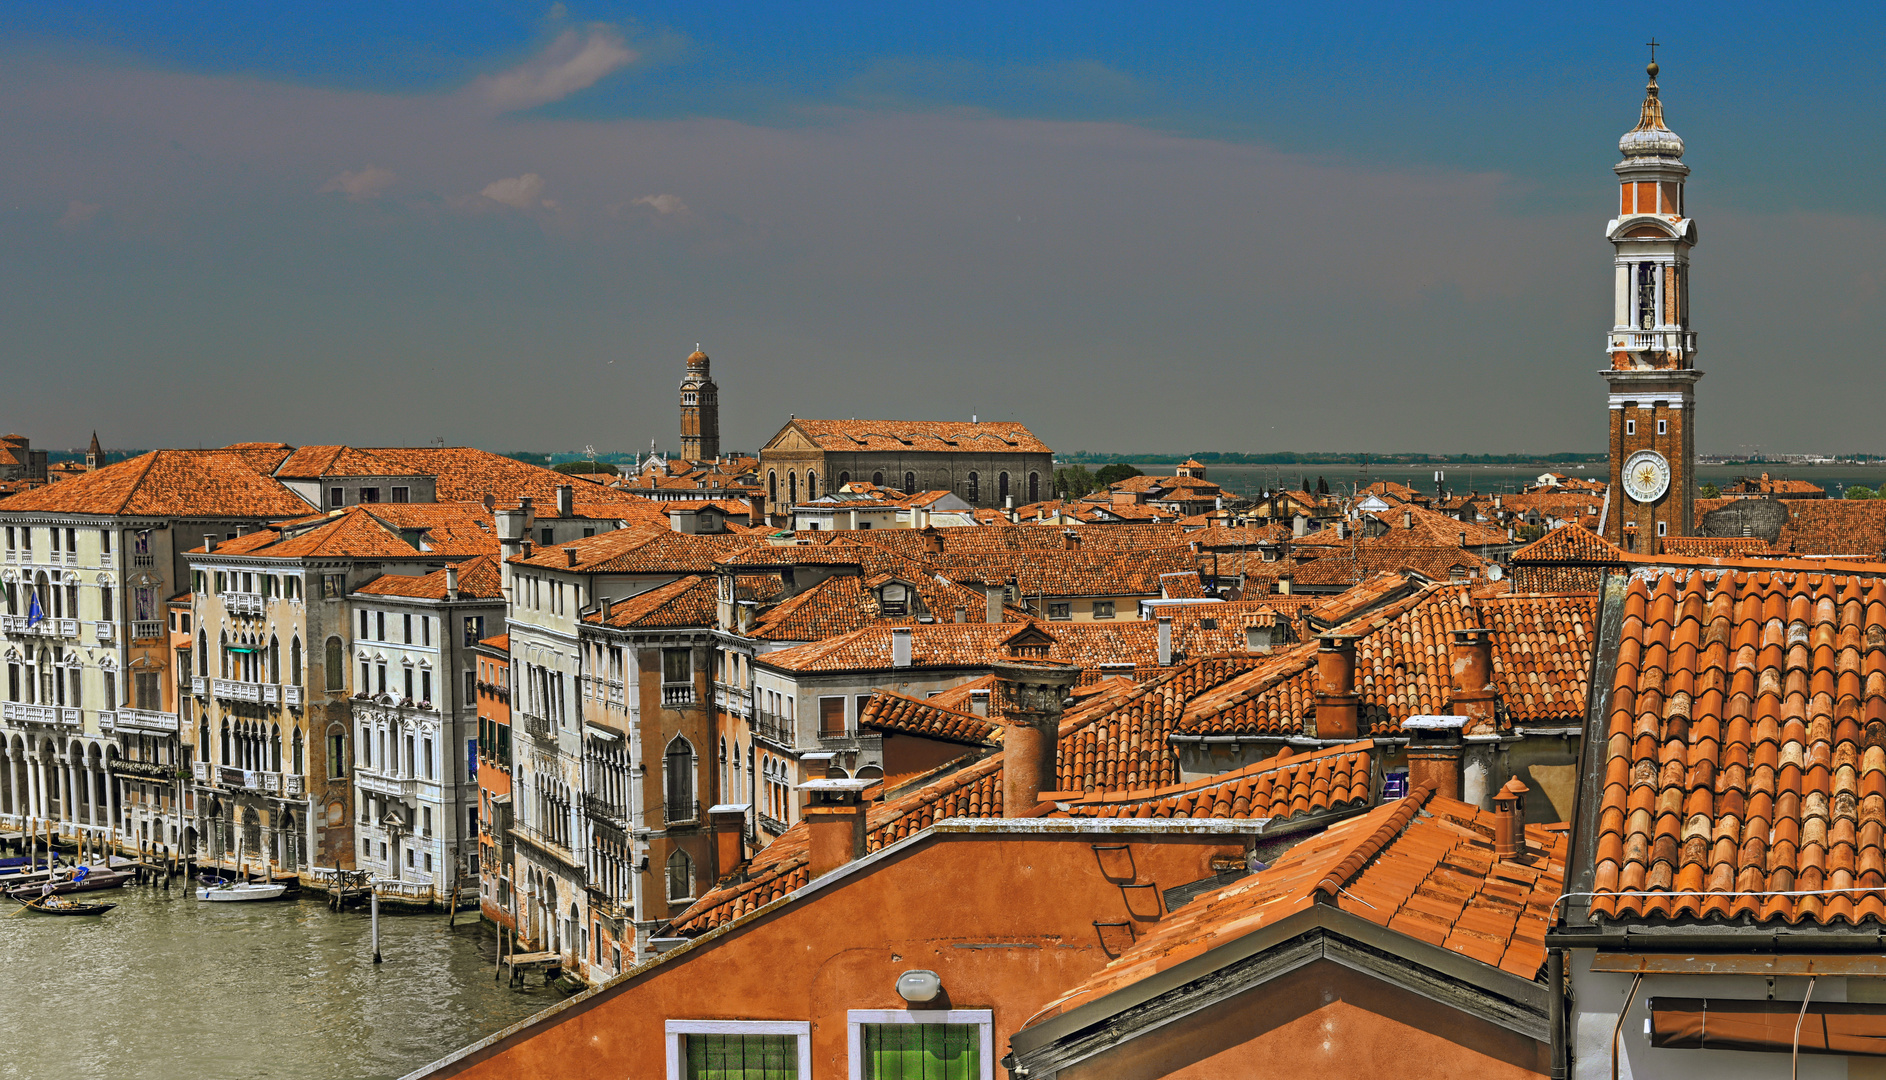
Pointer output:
x,y
240,890
56,905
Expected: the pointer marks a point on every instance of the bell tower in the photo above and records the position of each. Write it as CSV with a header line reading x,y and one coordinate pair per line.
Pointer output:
x,y
1651,348
700,411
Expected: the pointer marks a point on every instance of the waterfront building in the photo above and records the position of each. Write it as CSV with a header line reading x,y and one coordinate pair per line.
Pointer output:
x,y
1651,346
989,465
497,896
19,461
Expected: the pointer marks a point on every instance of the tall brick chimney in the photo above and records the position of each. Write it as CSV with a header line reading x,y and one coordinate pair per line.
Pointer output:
x,y
1434,752
1470,681
728,822
834,819
992,600
1027,700
1336,697
566,500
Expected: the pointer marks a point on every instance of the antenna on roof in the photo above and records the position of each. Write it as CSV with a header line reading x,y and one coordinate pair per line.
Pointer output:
x,y
589,452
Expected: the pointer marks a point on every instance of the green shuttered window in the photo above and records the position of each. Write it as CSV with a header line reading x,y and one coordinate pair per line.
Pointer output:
x,y
742,1057
921,1052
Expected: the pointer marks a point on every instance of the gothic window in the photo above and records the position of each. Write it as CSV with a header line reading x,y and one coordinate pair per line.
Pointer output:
x,y
275,748
226,745
274,659
678,767
1001,486
294,663
975,488
1034,487
336,665
680,877
910,483
772,486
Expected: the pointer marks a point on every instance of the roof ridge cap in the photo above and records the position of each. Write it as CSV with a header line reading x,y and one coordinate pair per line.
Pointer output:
x,y
1367,848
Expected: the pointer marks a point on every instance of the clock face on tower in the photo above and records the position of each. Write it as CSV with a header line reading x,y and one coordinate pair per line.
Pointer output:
x,y
1646,476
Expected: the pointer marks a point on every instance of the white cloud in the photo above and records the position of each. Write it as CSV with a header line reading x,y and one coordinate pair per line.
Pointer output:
x,y
663,204
360,185
524,192
572,62
79,213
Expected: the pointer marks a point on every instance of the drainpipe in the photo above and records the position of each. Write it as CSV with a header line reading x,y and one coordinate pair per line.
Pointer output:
x,y
1555,1008
1618,1028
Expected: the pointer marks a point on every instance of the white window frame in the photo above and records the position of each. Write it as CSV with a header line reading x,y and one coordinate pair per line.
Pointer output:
x,y
800,1028
855,1020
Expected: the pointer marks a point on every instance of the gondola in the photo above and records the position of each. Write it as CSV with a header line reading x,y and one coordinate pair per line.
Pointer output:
x,y
56,905
83,879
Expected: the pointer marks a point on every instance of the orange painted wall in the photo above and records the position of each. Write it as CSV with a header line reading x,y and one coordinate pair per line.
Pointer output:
x,y
1007,921
1328,1022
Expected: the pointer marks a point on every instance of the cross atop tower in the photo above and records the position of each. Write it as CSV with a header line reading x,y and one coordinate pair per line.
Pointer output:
x,y
1653,49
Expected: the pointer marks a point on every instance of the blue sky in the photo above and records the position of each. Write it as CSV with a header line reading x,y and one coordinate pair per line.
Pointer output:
x,y
1165,227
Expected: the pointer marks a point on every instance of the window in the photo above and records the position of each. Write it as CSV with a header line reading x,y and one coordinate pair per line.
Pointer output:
x,y
333,586
894,600
677,666
294,662
369,494
792,488
877,479
1001,486
843,479
910,483
811,485
772,486
425,630
336,497
1103,609
145,691
1663,427
975,487
336,665
1034,487
831,716
406,633
474,629
546,536
893,1044
1662,527
1061,612
1630,427
425,821
401,494
738,1049
680,878
380,624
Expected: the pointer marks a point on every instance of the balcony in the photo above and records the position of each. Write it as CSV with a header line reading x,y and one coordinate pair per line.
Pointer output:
x,y
104,559
772,825
146,720
394,786
293,785
678,694
734,699
144,770
143,560
105,630
201,771
199,686
16,625
673,814
1651,341
244,603
540,728
291,695
147,630
230,690
597,809
772,727
50,715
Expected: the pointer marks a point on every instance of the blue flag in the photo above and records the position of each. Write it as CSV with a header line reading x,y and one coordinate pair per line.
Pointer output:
x,y
34,613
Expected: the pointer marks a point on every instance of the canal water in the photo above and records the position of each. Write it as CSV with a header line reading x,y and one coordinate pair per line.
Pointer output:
x,y
167,987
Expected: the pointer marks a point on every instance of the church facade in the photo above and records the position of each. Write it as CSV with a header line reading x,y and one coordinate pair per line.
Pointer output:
x,y
986,464
1652,349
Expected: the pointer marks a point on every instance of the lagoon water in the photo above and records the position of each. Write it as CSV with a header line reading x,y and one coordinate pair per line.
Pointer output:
x,y
1250,480
167,987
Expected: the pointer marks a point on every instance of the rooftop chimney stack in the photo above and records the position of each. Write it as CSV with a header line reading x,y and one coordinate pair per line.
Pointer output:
x,y
566,500
569,556
992,595
1299,525
1434,753
1258,635
1509,820
451,581
962,613
834,818
1336,697
209,542
728,822
900,646
1028,701
1165,641
1470,681
1407,519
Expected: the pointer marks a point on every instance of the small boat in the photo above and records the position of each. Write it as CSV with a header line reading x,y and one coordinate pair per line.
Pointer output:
x,y
240,890
57,905
83,879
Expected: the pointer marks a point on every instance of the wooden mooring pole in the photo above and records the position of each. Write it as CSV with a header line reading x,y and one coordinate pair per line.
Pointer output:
x,y
376,924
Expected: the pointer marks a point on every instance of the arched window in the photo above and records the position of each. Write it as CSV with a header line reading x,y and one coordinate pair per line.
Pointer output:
x,y
274,659
877,479
222,652
203,739
1001,486
811,485
679,771
975,488
275,748
202,654
844,478
299,760
1034,487
294,664
772,485
226,745
910,483
680,877
336,665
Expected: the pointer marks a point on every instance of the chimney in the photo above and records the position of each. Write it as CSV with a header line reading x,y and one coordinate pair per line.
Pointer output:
x,y
1070,540
900,646
962,613
1463,539
1028,700
1470,681
490,502
728,822
1258,635
569,556
932,540
1434,753
992,595
1509,534
604,606
513,528
566,500
451,581
209,542
834,819
1336,697
1342,528
1498,500
979,702
1407,519
1509,820
524,549
1165,641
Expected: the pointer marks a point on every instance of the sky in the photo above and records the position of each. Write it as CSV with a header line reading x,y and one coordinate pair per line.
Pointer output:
x,y
1131,227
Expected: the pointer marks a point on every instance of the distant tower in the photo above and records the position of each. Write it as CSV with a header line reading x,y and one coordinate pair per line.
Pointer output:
x,y
1651,347
94,457
700,411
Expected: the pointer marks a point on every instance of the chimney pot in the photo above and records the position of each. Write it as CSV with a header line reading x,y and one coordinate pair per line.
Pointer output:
x,y
834,833
729,826
992,596
1509,820
569,555
1407,519
1165,641
209,542
1470,680
962,613
1336,699
451,581
1028,699
900,646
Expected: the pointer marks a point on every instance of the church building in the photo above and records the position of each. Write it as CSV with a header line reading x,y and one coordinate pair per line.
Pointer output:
x,y
987,464
700,411
1652,350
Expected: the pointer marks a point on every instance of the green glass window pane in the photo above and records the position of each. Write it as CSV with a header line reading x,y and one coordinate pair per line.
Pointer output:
x,y
921,1052
742,1057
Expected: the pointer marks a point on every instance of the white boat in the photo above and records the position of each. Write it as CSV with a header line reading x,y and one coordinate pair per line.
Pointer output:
x,y
240,890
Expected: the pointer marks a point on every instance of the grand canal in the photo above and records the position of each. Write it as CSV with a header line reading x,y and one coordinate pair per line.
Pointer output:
x,y
167,987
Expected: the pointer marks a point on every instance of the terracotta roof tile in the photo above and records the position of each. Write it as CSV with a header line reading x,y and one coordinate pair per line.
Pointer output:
x,y
688,602
1282,786
1571,544
903,715
478,579
947,436
170,483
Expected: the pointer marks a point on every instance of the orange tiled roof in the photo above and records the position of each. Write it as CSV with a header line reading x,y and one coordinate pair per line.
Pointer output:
x,y
1571,543
1743,753
478,579
1423,866
689,602
313,462
170,483
502,642
904,715
957,698
638,549
351,533
905,436
1733,546
1282,786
